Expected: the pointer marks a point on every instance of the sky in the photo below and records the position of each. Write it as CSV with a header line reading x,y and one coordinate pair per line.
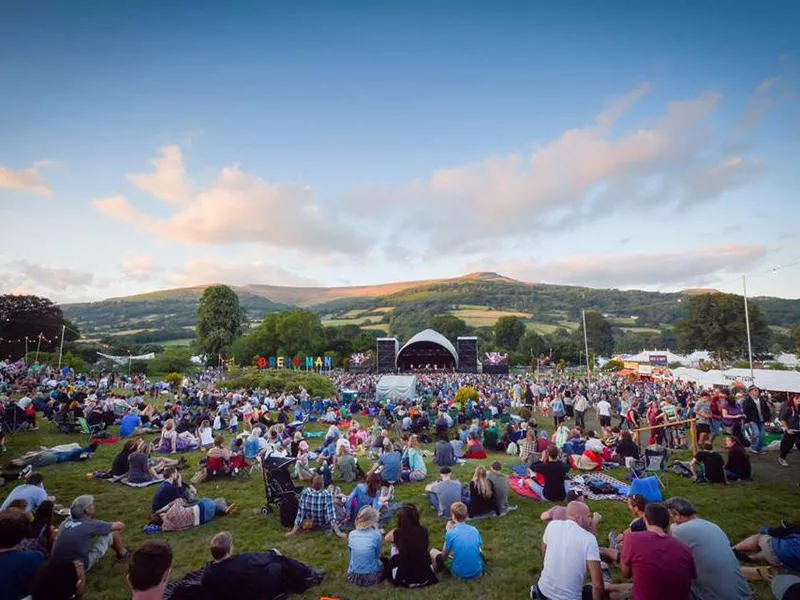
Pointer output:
x,y
150,145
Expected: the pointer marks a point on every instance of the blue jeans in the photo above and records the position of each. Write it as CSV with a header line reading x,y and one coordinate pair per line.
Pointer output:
x,y
540,490
756,435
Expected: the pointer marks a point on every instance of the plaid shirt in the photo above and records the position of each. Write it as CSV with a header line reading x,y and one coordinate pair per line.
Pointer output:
x,y
316,505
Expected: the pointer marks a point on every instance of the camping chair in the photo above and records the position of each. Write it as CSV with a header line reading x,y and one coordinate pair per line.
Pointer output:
x,y
89,430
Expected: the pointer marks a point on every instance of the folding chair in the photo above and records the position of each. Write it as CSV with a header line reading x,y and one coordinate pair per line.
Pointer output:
x,y
89,430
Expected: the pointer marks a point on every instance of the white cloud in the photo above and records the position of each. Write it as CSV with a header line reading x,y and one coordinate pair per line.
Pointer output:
x,y
583,175
236,207
761,102
699,266
168,182
199,272
140,268
26,180
34,275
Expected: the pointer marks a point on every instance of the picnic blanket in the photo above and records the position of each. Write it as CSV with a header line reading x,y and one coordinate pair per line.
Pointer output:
x,y
520,470
581,483
313,434
521,487
124,481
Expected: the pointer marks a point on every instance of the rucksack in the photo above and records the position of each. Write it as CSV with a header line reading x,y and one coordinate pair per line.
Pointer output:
x,y
288,509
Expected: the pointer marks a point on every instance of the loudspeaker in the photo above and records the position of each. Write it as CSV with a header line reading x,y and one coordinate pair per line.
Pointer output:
x,y
467,348
387,355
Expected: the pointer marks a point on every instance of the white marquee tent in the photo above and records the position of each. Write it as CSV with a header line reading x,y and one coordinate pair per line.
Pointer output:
x,y
776,381
396,387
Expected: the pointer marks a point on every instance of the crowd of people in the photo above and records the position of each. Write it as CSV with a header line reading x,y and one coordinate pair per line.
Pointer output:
x,y
668,551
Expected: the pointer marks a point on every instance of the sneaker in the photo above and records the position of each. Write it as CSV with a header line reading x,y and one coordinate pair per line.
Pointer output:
x,y
26,472
782,462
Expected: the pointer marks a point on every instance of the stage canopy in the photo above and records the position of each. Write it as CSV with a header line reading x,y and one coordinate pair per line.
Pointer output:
x,y
394,387
428,349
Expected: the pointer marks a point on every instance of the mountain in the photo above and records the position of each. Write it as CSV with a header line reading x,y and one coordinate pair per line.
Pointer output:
x,y
478,298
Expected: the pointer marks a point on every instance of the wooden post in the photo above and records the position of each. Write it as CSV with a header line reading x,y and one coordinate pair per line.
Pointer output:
x,y
693,433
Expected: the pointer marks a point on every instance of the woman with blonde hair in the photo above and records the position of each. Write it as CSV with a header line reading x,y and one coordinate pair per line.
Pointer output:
x,y
481,494
344,465
301,469
416,471
364,542
172,441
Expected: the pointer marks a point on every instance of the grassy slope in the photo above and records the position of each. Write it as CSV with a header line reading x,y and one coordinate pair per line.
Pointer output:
x,y
512,543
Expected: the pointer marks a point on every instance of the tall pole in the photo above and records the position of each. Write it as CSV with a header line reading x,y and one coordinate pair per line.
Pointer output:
x,y
38,345
61,349
26,349
586,343
747,323
129,364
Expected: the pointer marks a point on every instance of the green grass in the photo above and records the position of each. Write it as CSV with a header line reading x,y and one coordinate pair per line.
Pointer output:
x,y
512,543
182,342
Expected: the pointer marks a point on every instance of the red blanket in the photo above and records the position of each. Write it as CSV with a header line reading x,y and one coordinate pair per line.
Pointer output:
x,y
520,486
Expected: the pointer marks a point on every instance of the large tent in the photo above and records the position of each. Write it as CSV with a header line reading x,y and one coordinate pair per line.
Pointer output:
x,y
396,387
428,349
775,381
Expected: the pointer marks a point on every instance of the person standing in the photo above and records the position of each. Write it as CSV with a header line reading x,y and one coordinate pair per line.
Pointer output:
x,y
790,419
756,413
604,412
579,407
719,576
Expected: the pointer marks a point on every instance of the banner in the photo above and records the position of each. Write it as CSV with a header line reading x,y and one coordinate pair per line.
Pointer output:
x,y
632,365
659,360
123,360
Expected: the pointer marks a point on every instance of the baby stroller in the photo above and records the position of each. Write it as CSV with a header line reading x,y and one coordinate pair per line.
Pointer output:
x,y
278,485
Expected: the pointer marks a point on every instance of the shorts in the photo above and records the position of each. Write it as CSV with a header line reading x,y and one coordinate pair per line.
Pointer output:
x,y
605,421
100,546
703,428
765,543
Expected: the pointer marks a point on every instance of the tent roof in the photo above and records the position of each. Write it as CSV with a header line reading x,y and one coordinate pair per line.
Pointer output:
x,y
429,335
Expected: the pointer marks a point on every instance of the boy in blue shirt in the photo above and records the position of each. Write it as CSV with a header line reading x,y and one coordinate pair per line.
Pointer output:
x,y
463,542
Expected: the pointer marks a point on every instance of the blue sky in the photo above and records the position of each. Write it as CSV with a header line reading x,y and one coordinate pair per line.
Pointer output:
x,y
632,145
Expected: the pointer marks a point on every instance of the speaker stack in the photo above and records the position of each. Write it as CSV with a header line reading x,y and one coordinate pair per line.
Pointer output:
x,y
467,348
387,355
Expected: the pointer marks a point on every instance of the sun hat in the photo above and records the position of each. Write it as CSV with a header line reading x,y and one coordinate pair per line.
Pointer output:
x,y
367,517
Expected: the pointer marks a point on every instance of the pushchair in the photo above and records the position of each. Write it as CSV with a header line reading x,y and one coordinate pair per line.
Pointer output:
x,y
278,484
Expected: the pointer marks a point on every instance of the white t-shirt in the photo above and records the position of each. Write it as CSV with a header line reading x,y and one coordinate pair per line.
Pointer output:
x,y
604,408
569,547
594,445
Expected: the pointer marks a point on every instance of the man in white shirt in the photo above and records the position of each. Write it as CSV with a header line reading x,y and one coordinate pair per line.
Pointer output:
x,y
569,551
580,406
604,412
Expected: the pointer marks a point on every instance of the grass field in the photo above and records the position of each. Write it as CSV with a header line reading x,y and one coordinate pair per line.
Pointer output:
x,y
485,317
512,543
181,342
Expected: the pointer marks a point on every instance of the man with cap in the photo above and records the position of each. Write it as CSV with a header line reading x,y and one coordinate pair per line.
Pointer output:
x,y
756,413
444,493
83,538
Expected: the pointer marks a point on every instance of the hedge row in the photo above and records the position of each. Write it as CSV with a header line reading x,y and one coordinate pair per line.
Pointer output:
x,y
282,380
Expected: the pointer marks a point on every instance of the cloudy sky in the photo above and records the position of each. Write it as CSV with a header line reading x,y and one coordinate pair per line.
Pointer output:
x,y
146,145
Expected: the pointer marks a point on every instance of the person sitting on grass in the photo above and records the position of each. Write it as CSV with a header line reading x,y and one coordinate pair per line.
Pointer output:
x,y
32,492
500,486
444,493
121,462
636,504
302,470
711,466
416,471
719,576
344,465
316,509
626,448
738,466
390,463
443,453
779,548
364,543
363,494
139,468
474,447
482,500
253,575
410,562
60,580
171,488
148,571
40,533
554,473
83,538
464,543
172,441
661,566
570,550
18,568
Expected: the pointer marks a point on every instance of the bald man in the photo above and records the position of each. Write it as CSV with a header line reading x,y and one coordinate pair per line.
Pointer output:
x,y
569,551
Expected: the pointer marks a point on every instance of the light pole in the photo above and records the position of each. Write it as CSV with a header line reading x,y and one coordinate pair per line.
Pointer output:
x,y
586,343
747,324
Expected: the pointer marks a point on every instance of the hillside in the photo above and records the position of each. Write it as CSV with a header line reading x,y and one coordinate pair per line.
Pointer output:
x,y
478,298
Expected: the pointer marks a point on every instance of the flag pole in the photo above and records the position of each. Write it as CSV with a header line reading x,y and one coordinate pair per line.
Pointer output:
x,y
38,345
61,349
747,323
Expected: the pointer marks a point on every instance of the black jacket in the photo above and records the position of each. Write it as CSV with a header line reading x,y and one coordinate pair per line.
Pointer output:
x,y
751,412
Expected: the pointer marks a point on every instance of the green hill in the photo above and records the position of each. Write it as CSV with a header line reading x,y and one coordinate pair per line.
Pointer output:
x,y
478,298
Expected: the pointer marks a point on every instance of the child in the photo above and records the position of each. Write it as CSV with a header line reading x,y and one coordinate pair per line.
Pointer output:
x,y
234,424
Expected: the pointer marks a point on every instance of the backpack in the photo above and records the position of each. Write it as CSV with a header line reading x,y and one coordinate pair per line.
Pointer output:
x,y
512,449
288,509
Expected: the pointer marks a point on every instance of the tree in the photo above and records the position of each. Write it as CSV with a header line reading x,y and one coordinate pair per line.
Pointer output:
x,y
449,326
31,317
219,321
532,346
300,332
174,359
716,322
599,334
508,332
